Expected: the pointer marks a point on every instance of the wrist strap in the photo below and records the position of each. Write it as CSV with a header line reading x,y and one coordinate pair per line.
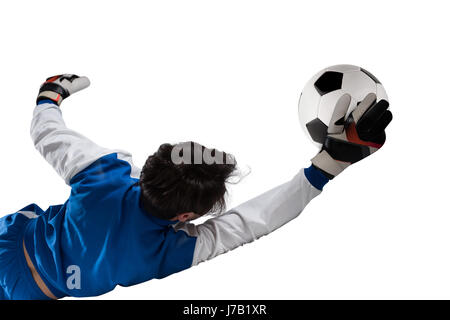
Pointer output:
x,y
52,91
50,95
326,163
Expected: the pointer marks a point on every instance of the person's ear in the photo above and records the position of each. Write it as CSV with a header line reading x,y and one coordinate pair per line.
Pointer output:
x,y
183,217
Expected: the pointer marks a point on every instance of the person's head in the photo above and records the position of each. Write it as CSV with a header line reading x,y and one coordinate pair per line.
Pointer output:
x,y
185,181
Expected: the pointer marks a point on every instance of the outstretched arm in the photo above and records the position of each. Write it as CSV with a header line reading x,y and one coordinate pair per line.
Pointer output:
x,y
66,150
255,218
347,142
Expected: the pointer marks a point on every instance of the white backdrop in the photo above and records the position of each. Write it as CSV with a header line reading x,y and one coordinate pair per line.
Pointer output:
x,y
228,74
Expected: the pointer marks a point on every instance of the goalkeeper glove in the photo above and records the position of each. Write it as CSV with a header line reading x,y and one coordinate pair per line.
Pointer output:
x,y
352,139
59,87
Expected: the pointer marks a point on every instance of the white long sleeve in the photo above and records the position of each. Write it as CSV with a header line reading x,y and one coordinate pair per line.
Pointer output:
x,y
67,151
250,220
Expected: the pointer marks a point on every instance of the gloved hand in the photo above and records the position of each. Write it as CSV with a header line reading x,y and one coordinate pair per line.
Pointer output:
x,y
352,139
59,87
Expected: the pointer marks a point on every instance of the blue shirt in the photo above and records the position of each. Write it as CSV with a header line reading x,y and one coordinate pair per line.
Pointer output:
x,y
102,235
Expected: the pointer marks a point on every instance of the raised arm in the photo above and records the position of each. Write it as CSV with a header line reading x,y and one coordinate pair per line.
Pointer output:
x,y
66,150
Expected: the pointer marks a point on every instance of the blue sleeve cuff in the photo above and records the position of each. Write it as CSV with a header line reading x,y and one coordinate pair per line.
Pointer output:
x,y
46,101
315,177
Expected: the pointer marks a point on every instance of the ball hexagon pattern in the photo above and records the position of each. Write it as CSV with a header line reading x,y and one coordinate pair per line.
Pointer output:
x,y
324,89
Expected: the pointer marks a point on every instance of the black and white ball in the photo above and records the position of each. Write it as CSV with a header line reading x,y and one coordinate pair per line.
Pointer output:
x,y
321,93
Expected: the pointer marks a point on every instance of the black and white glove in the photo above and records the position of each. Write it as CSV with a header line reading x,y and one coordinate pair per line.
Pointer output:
x,y
352,139
59,87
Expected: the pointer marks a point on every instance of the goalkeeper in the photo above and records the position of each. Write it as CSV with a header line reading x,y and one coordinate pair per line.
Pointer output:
x,y
122,225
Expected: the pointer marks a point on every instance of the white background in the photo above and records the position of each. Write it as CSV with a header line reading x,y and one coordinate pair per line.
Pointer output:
x,y
228,74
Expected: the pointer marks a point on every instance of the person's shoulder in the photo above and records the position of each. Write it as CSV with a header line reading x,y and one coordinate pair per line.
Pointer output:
x,y
111,169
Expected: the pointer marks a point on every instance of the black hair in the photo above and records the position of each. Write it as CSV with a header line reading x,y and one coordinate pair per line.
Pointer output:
x,y
174,181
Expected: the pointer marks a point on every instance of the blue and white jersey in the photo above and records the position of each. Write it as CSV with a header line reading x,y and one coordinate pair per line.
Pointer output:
x,y
103,236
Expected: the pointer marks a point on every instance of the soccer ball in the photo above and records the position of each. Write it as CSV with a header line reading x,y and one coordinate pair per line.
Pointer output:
x,y
321,93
